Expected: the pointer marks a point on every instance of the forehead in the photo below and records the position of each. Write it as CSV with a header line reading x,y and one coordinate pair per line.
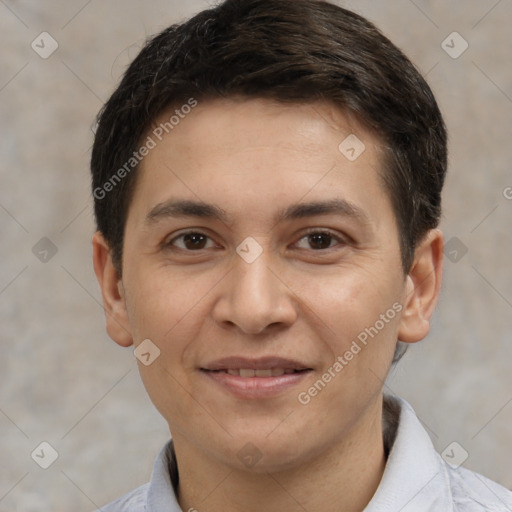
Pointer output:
x,y
308,124
245,152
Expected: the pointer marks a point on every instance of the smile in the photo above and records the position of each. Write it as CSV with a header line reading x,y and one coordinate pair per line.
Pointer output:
x,y
261,378
249,372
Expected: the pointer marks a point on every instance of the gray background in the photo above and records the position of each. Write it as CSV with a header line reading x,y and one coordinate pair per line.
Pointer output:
x,y
63,381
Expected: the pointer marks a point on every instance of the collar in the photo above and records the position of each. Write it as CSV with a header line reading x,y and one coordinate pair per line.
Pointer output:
x,y
415,478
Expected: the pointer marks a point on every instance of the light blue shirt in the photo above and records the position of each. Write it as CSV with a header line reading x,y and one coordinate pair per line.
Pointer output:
x,y
416,477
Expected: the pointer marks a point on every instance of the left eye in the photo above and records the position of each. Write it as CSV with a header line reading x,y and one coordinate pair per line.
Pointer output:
x,y
319,240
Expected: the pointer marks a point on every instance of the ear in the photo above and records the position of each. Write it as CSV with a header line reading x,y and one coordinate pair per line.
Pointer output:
x,y
118,326
423,284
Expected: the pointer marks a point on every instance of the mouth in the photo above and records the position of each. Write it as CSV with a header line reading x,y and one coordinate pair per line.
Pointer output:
x,y
246,373
256,378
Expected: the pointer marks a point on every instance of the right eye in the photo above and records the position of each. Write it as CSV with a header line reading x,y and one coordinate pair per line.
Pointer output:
x,y
191,241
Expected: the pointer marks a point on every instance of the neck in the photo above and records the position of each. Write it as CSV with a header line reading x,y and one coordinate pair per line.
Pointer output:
x,y
343,478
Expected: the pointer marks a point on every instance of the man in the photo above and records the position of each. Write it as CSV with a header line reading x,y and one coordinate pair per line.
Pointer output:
x,y
267,181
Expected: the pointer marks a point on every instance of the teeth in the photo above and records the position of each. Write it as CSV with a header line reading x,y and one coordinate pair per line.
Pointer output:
x,y
264,373
248,372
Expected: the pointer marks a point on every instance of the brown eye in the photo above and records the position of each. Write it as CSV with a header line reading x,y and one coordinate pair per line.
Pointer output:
x,y
318,240
192,241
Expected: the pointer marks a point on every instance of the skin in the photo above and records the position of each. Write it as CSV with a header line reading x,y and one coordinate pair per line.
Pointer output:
x,y
253,158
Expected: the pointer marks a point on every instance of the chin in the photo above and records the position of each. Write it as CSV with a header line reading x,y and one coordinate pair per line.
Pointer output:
x,y
260,455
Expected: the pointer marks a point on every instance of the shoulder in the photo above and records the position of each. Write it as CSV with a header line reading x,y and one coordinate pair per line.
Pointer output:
x,y
417,478
473,492
134,501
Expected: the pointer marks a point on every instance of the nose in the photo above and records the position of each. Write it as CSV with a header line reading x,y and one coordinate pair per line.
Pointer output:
x,y
254,298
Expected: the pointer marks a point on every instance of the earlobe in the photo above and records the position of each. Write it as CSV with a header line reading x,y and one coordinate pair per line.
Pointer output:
x,y
423,285
118,327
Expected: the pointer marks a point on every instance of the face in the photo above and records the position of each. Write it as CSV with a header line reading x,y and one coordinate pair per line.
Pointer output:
x,y
265,266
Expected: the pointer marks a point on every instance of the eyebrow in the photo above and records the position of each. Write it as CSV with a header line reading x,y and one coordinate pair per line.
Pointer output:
x,y
188,208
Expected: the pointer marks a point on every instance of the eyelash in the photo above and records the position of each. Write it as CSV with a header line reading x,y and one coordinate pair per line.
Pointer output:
x,y
310,232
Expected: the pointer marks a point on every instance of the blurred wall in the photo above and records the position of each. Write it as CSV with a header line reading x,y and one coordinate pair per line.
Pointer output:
x,y
64,382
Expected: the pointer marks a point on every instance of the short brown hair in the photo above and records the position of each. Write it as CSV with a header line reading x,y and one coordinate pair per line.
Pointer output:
x,y
291,51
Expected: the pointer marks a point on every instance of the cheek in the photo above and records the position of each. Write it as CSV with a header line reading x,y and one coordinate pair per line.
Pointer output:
x,y
358,330
168,310
347,300
161,299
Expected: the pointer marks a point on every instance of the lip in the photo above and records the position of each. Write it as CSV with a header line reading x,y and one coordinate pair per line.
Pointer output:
x,y
255,387
261,363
